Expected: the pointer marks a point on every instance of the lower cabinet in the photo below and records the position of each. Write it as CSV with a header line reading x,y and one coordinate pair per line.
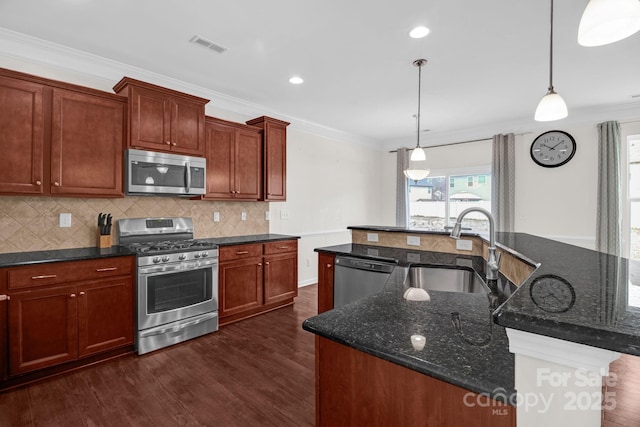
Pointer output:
x,y
255,278
326,262
64,320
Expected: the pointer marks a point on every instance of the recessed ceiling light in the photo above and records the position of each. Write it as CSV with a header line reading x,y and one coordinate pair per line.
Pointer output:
x,y
419,32
296,80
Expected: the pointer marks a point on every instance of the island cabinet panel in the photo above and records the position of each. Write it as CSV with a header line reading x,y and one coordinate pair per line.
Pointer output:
x,y
326,269
256,278
234,161
65,314
22,136
357,389
87,142
162,119
274,157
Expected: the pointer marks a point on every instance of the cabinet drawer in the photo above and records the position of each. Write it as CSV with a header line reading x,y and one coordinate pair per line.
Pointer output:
x,y
280,247
228,253
65,272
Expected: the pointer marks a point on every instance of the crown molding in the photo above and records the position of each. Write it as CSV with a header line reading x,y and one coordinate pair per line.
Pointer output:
x,y
108,72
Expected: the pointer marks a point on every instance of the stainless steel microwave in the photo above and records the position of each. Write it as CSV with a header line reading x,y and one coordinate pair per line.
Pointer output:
x,y
150,172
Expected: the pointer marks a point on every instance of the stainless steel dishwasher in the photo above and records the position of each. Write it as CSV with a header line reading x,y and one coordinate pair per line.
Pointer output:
x,y
357,278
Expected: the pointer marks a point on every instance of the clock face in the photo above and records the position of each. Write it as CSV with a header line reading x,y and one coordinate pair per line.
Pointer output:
x,y
552,293
552,149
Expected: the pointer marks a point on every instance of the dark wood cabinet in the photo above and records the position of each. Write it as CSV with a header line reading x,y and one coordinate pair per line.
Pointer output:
x,y
162,119
255,278
326,263
87,142
274,157
22,136
64,312
234,161
59,139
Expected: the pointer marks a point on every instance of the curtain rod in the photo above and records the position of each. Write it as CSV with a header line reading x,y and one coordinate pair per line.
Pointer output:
x,y
462,142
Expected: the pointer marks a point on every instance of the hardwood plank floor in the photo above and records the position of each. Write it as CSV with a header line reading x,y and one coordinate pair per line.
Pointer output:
x,y
257,372
626,393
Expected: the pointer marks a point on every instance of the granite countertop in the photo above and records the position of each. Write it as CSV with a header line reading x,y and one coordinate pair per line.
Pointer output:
x,y
594,300
77,254
475,357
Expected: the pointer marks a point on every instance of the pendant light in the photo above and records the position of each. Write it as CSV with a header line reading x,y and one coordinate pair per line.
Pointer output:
x,y
551,106
417,163
608,21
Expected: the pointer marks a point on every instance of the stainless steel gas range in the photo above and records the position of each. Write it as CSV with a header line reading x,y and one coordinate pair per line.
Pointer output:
x,y
177,286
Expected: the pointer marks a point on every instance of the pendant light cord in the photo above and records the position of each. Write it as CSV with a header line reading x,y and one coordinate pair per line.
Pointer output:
x,y
419,91
551,52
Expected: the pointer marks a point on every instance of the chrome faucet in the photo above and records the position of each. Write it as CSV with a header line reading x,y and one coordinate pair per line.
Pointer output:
x,y
493,260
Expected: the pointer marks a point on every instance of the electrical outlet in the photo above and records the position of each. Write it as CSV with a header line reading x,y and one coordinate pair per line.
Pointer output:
x,y
216,217
372,237
373,252
65,220
464,245
413,240
413,257
284,214
243,216
267,216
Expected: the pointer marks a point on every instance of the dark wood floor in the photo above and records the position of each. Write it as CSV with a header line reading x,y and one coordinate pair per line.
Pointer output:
x,y
257,372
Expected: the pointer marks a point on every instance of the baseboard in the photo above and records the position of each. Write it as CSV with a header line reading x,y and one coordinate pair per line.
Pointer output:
x,y
307,282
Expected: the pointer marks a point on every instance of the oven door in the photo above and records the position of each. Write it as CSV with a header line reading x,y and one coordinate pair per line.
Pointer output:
x,y
168,293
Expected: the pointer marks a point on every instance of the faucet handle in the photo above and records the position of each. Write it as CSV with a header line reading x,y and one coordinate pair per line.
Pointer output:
x,y
498,258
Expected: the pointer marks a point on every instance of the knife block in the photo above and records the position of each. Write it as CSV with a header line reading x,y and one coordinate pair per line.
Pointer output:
x,y
104,241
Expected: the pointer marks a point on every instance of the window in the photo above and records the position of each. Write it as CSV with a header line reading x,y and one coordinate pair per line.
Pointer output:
x,y
634,197
433,205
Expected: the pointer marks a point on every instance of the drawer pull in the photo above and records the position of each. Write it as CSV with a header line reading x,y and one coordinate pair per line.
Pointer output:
x,y
283,247
72,296
4,297
100,270
82,293
242,252
46,276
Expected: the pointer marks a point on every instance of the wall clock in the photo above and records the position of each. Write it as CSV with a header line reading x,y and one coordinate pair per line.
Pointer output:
x,y
552,149
552,293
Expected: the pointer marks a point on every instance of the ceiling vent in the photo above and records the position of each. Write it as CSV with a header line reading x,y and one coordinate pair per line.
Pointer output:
x,y
201,41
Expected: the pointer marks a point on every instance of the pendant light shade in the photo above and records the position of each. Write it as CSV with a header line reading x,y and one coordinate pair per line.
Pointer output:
x,y
607,21
551,106
418,161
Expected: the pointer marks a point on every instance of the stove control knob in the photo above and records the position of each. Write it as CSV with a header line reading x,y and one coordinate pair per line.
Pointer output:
x,y
182,257
205,254
165,258
197,255
156,259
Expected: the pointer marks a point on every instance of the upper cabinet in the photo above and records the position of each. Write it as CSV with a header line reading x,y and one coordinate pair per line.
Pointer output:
x,y
59,139
234,161
162,119
274,157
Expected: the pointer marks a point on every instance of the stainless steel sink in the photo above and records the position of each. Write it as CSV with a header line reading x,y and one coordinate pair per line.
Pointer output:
x,y
445,279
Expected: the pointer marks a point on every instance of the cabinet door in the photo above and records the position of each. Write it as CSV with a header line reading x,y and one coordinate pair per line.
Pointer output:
x,y
275,151
220,162
105,315
21,136
42,329
240,286
150,119
86,144
280,277
187,128
248,165
325,281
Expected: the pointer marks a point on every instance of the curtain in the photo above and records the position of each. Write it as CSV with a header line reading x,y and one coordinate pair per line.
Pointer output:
x,y
503,181
402,188
608,221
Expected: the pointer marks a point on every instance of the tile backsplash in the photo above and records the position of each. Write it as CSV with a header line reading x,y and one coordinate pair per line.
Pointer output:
x,y
31,223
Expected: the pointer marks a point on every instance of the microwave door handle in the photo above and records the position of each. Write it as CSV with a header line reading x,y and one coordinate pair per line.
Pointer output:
x,y
188,166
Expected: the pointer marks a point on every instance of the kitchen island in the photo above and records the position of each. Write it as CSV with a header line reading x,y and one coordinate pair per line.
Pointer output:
x,y
586,302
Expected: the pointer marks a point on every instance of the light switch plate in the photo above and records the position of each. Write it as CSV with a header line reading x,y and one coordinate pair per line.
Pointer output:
x,y
464,245
413,240
267,216
65,220
216,217
243,216
284,214
372,237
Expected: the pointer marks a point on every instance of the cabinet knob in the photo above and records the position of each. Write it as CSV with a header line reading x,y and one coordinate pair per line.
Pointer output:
x,y
329,266
38,182
56,184
266,263
82,293
72,296
168,142
173,144
259,264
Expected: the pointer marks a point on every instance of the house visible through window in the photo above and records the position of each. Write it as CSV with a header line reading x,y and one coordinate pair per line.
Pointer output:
x,y
433,205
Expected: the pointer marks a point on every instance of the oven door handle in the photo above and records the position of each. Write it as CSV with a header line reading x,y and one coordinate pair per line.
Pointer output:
x,y
184,266
160,330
